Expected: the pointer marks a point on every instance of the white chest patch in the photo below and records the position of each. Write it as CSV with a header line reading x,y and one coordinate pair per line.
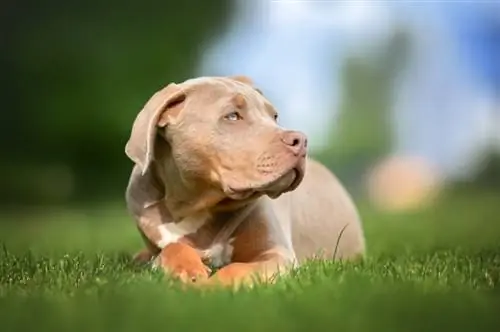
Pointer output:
x,y
172,232
219,254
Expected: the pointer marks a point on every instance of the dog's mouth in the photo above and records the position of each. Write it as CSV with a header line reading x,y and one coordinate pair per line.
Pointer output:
x,y
287,182
284,182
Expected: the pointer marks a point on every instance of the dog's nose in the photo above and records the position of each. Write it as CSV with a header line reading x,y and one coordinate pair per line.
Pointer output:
x,y
295,141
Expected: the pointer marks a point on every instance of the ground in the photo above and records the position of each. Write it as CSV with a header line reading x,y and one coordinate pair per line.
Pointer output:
x,y
434,270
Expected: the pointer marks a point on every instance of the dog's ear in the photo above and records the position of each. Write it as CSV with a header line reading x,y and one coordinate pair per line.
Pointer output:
x,y
246,80
242,79
157,112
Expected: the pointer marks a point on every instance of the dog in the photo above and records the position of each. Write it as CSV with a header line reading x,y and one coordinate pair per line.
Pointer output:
x,y
217,182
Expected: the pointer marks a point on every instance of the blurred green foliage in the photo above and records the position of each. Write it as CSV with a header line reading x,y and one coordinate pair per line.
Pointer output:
x,y
75,75
363,130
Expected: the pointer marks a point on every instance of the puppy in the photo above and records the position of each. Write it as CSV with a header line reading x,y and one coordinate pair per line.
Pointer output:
x,y
217,181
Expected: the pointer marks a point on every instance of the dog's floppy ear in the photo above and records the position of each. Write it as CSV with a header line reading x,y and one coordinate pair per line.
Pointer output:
x,y
246,80
140,146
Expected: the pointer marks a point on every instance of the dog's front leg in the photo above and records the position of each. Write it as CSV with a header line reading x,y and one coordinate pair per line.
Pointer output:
x,y
259,252
182,261
264,269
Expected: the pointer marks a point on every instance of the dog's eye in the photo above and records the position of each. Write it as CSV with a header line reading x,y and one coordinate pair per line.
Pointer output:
x,y
233,116
275,116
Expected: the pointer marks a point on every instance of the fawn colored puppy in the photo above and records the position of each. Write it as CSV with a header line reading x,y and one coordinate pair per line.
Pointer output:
x,y
217,181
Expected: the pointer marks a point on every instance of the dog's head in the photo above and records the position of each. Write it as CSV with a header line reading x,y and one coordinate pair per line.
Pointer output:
x,y
223,131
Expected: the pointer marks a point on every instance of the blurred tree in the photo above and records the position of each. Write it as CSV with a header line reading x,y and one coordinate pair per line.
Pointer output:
x,y
75,76
487,176
363,129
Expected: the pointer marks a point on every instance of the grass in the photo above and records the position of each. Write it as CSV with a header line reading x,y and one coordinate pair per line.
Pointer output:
x,y
432,270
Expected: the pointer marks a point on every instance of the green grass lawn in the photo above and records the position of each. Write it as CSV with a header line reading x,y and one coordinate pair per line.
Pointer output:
x,y
433,270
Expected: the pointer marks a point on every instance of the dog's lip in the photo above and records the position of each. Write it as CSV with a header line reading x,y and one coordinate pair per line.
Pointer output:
x,y
245,193
297,179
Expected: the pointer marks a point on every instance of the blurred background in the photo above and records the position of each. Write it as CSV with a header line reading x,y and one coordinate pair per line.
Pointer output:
x,y
400,99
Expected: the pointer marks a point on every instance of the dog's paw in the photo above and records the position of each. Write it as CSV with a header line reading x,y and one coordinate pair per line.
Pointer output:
x,y
235,275
182,262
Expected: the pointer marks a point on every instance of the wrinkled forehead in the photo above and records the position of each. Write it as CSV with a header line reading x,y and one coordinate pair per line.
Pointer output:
x,y
221,90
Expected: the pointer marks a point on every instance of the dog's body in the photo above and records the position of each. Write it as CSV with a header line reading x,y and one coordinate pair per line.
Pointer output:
x,y
218,182
318,214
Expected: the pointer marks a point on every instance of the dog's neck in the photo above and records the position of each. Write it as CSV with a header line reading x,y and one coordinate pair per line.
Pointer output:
x,y
181,197
187,197
184,200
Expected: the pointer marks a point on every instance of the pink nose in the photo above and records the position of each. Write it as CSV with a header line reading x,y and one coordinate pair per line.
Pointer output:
x,y
295,141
